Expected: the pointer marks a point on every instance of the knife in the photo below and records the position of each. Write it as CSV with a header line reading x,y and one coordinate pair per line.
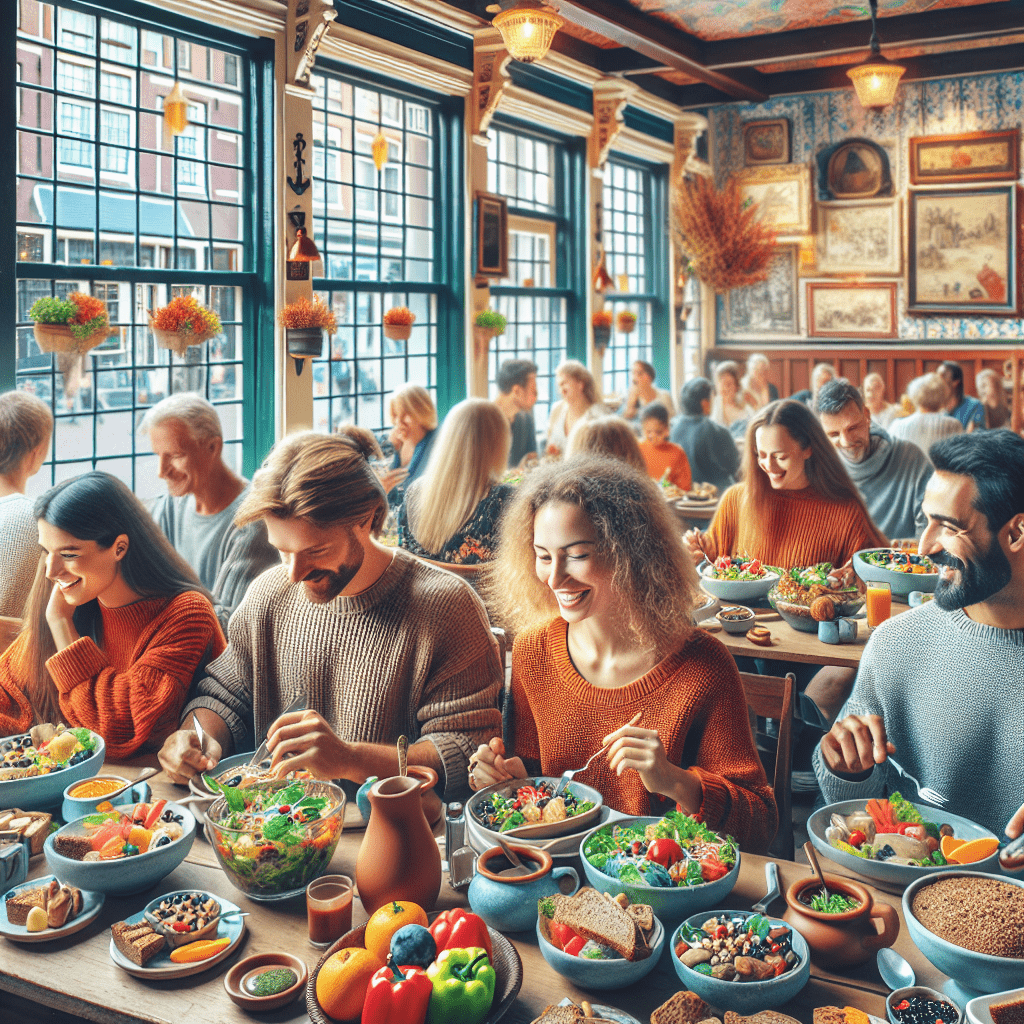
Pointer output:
x,y
299,704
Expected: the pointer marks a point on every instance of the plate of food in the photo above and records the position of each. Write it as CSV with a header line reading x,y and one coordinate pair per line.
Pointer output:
x,y
139,948
904,571
585,1011
43,910
38,765
738,578
527,809
699,494
893,840
796,597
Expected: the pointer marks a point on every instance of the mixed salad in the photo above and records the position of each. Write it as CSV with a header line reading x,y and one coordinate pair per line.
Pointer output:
x,y
274,839
737,947
530,804
800,586
675,851
899,561
739,567
30,754
247,774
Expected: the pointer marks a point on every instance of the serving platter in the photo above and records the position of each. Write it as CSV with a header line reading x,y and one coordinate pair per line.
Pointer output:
x,y
92,904
541,830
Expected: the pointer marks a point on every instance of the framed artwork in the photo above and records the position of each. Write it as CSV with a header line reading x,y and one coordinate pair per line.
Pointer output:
x,y
768,308
962,251
970,156
766,142
783,195
851,309
491,235
860,237
858,169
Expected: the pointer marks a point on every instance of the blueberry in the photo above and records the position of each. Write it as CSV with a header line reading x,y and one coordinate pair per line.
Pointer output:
x,y
163,841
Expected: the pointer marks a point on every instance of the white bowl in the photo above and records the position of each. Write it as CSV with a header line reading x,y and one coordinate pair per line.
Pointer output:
x,y
979,1010
543,830
736,591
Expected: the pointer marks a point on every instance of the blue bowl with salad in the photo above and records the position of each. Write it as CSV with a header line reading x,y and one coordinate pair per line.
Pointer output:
x,y
44,791
674,864
737,578
904,571
524,809
273,838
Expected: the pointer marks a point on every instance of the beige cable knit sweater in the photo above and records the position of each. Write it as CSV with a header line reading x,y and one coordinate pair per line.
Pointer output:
x,y
411,655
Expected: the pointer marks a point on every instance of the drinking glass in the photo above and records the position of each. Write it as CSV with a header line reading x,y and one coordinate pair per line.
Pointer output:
x,y
329,909
879,603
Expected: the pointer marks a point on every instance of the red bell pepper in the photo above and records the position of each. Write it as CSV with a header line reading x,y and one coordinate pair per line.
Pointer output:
x,y
573,948
561,934
397,995
528,794
460,929
712,868
665,852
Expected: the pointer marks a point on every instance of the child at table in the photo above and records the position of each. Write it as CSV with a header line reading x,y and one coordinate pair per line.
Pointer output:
x,y
663,458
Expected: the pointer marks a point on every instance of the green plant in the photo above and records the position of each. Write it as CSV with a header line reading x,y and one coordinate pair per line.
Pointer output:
x,y
52,311
492,320
84,314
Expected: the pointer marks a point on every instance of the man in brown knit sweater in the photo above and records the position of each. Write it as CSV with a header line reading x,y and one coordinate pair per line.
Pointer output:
x,y
380,644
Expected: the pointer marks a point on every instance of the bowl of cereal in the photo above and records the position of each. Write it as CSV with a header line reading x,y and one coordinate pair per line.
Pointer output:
x,y
970,925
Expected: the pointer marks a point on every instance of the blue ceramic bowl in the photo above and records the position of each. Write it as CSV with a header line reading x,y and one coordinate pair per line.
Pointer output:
x,y
44,792
78,807
901,583
671,904
980,972
744,997
127,875
598,975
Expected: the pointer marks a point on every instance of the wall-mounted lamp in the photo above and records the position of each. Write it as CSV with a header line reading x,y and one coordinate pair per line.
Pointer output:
x,y
527,28
175,112
303,250
876,78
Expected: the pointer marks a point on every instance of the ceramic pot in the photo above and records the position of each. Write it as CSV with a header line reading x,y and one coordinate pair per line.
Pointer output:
x,y
509,903
432,806
78,807
399,859
305,342
841,940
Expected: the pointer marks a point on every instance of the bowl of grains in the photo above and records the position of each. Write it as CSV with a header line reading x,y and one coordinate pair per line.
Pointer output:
x,y
970,926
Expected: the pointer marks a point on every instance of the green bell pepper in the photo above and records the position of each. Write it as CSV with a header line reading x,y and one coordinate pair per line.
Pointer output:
x,y
463,981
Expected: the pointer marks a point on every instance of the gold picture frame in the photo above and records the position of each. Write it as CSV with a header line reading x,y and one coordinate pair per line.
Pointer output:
x,y
783,195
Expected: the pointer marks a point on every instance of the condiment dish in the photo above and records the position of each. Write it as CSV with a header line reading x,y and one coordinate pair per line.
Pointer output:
x,y
240,975
921,992
735,618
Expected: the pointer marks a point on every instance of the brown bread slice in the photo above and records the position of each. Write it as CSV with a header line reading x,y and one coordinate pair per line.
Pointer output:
x,y
762,1017
555,1014
138,942
829,1015
683,1008
75,847
19,905
589,914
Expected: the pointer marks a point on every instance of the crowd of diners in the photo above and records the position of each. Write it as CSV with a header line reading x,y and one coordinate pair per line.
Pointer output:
x,y
226,598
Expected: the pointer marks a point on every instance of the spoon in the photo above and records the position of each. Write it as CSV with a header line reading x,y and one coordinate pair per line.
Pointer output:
x,y
895,971
518,867
146,773
813,858
403,756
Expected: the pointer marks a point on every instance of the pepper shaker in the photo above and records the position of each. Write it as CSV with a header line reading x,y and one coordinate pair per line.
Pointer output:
x,y
454,828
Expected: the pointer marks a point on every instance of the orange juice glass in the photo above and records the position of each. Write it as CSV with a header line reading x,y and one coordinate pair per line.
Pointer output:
x,y
879,603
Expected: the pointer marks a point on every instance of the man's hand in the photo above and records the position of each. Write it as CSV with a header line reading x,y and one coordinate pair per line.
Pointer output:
x,y
303,739
489,765
1015,826
856,744
182,759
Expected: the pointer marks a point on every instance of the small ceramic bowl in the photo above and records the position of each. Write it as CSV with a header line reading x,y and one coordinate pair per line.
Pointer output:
x,y
243,973
921,992
173,938
75,807
735,618
979,1009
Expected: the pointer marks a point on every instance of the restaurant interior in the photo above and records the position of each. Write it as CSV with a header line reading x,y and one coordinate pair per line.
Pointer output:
x,y
462,184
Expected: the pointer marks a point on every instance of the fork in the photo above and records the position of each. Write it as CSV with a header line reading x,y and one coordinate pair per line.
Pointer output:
x,y
925,793
567,776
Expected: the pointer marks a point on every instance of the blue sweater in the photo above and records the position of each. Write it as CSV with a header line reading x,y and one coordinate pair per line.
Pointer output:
x,y
710,448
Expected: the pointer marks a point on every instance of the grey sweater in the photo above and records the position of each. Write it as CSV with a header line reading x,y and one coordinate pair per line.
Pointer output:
x,y
951,693
892,480
227,559
710,448
19,553
411,655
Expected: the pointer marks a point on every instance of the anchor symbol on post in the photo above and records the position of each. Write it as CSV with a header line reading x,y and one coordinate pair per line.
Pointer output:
x,y
300,184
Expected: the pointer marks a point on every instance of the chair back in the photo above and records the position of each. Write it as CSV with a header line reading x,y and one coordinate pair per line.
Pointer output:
x,y
772,697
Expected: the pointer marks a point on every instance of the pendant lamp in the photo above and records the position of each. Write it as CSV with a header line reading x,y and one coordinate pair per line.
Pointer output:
x,y
876,78
527,28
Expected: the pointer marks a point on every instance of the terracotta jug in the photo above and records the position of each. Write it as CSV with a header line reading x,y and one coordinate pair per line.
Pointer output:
x,y
841,940
399,859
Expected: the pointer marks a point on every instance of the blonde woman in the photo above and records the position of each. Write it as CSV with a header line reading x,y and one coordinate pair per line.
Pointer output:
x,y
414,420
993,397
728,408
579,401
757,390
606,435
451,513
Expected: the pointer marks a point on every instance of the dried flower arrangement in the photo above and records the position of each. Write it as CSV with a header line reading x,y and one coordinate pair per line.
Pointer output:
x,y
602,318
303,315
398,323
724,244
183,322
626,321
75,324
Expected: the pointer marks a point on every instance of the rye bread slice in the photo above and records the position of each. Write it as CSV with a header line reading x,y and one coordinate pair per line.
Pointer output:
x,y
20,904
683,1008
74,847
589,914
762,1017
138,942
555,1014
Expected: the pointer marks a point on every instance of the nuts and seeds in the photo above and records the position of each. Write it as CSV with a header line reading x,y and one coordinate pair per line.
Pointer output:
x,y
984,915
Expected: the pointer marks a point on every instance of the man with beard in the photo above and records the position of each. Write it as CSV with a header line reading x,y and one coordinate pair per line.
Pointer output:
x,y
942,687
379,644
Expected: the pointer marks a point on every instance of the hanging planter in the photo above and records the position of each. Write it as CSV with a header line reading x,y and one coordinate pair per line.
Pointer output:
x,y
183,322
398,323
304,324
75,324
626,322
487,324
602,324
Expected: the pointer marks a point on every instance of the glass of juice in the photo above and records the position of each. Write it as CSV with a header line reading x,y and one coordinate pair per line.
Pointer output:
x,y
329,909
879,603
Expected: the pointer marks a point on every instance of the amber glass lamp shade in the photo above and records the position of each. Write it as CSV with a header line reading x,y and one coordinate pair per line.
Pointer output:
x,y
527,29
875,81
304,249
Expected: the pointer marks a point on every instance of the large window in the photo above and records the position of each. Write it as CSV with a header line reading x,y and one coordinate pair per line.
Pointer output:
x,y
107,205
379,235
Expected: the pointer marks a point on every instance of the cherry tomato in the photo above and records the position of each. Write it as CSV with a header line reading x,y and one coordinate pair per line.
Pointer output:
x,y
665,852
857,838
712,868
755,566
573,948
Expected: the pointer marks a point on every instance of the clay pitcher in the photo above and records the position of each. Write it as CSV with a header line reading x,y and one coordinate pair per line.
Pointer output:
x,y
399,859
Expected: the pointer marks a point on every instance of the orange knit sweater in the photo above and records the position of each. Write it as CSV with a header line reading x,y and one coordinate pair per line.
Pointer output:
x,y
130,690
693,698
793,528
660,457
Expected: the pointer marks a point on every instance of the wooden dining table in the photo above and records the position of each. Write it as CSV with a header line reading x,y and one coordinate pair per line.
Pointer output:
x,y
75,977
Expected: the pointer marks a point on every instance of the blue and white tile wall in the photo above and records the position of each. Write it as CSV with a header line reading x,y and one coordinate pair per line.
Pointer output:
x,y
818,121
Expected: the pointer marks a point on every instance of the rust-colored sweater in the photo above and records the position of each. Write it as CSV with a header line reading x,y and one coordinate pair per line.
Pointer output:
x,y
794,528
693,698
130,690
660,457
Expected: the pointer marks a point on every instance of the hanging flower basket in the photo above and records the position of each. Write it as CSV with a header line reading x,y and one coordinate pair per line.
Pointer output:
x,y
398,332
75,324
626,322
59,338
183,322
305,342
304,324
398,323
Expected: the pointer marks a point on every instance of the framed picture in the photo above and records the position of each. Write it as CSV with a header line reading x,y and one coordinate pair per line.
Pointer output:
x,y
491,235
859,237
766,142
970,156
768,308
962,251
851,309
783,195
859,169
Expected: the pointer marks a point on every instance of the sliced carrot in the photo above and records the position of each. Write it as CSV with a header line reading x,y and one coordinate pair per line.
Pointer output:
x,y
192,952
948,844
975,850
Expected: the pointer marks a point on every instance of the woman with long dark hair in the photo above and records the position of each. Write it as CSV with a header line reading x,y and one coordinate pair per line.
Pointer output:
x,y
117,624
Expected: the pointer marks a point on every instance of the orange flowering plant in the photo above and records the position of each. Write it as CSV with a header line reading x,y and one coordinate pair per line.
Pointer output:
x,y
400,316
84,314
602,318
184,315
303,315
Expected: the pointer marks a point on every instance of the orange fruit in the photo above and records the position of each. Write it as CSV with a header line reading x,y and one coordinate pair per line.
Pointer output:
x,y
975,850
948,844
386,920
140,837
112,848
342,982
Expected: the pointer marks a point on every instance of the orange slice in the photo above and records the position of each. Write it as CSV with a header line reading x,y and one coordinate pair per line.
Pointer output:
x,y
112,848
948,844
975,850
140,837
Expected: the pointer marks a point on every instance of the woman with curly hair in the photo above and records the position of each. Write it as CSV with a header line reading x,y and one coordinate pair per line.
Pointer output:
x,y
594,581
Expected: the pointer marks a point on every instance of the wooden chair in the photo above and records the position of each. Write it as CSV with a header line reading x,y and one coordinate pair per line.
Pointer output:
x,y
772,697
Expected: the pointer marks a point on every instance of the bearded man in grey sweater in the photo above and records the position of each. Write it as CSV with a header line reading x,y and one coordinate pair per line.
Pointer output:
x,y
380,644
941,687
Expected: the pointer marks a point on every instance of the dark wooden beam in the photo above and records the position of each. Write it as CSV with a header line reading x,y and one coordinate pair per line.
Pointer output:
x,y
614,62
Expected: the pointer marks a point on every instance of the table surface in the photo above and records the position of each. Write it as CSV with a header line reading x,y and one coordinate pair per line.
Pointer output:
x,y
77,976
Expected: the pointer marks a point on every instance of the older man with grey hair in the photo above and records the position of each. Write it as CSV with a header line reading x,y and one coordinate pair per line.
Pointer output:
x,y
930,394
197,514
